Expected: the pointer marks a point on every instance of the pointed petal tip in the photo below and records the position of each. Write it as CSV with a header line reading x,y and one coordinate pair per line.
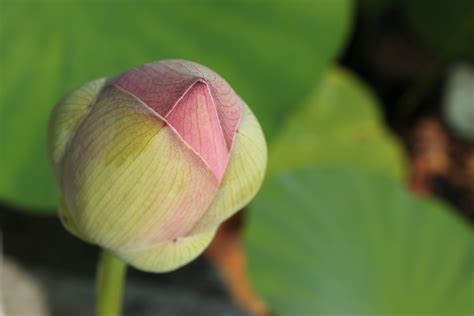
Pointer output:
x,y
195,119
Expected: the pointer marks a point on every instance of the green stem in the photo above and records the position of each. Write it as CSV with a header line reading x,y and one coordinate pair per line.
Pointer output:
x,y
111,273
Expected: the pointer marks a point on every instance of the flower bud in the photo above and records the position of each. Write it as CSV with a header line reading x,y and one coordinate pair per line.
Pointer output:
x,y
152,161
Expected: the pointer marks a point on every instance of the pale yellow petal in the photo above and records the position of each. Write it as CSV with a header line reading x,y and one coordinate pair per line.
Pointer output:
x,y
128,180
243,176
68,221
66,117
168,256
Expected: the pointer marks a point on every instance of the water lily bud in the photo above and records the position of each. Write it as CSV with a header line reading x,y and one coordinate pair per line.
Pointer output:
x,y
152,161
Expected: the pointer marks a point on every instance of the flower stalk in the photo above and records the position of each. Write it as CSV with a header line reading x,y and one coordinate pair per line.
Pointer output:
x,y
111,274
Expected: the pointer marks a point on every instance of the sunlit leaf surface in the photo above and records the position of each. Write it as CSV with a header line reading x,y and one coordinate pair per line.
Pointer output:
x,y
339,124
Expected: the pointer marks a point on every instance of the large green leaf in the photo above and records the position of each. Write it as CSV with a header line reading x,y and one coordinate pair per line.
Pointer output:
x,y
340,124
270,52
346,242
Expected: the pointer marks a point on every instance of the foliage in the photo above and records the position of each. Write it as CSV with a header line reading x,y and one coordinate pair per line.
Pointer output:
x,y
271,54
339,242
340,124
333,232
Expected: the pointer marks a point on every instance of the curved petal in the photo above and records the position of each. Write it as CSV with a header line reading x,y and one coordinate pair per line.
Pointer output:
x,y
243,176
161,85
68,221
168,256
128,180
195,119
66,117
192,99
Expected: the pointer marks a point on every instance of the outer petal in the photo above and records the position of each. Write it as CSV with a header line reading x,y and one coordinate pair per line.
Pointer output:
x,y
168,256
194,100
66,117
161,84
244,174
128,180
68,221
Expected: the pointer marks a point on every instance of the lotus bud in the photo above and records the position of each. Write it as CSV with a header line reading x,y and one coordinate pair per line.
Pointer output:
x,y
152,161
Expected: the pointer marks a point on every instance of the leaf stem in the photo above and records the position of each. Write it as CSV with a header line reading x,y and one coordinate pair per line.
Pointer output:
x,y
111,273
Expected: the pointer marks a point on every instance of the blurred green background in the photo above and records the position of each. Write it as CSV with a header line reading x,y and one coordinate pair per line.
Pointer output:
x,y
335,230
